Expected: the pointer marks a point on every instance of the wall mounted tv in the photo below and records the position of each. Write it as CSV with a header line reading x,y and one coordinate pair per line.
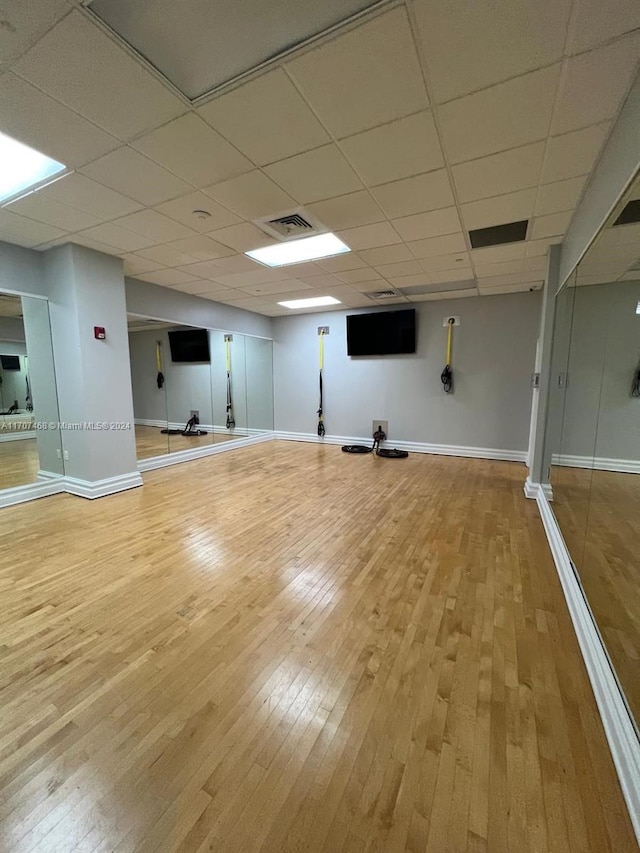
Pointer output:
x,y
382,333
189,345
10,362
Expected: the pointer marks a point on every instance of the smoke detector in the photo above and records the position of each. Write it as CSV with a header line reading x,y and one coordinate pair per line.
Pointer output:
x,y
291,225
202,214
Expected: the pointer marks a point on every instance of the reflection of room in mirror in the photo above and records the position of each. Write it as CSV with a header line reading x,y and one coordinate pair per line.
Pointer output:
x,y
30,449
593,434
215,387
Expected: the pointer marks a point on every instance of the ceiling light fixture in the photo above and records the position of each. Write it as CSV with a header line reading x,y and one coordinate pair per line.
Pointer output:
x,y
299,251
315,302
22,168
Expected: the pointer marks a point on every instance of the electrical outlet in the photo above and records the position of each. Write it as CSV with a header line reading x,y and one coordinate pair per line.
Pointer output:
x,y
66,455
455,318
58,453
323,330
228,338
380,424
195,412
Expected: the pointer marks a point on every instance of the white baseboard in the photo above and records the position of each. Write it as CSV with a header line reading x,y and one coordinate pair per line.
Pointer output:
x,y
618,725
190,454
531,489
99,488
598,463
412,446
18,435
31,491
216,429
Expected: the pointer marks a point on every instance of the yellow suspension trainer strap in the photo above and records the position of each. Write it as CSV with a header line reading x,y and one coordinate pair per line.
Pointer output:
x,y
446,377
160,377
231,422
321,365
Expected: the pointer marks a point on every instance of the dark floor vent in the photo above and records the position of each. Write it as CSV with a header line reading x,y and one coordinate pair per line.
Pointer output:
x,y
630,213
496,235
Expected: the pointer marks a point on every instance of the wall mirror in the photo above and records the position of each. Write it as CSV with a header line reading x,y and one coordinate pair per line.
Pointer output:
x,y
30,437
593,435
215,386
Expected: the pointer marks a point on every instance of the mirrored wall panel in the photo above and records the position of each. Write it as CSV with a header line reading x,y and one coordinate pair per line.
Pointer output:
x,y
197,387
593,435
30,435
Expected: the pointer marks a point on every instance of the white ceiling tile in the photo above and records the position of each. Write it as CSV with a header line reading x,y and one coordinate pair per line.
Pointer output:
x,y
399,269
189,148
119,238
371,285
386,255
204,270
166,256
128,172
595,22
321,281
424,225
275,287
101,81
272,104
303,270
347,211
82,239
84,194
315,175
135,265
370,236
182,210
243,237
511,288
402,148
251,195
233,263
26,232
460,273
46,125
200,287
540,248
498,254
354,276
167,277
155,226
499,174
24,23
505,116
438,296
573,154
477,44
365,77
202,248
39,207
553,225
559,196
407,281
445,262
260,275
350,261
523,265
512,207
415,195
433,246
594,85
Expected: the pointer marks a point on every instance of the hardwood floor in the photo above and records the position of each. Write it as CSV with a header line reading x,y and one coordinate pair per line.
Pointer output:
x,y
18,463
287,649
603,538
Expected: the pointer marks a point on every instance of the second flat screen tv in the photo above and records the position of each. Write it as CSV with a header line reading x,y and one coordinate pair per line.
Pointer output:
x,y
189,345
382,333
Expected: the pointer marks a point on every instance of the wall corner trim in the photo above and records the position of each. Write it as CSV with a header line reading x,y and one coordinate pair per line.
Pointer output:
x,y
100,488
616,720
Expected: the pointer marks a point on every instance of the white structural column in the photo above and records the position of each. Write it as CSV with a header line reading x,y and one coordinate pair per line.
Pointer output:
x,y
86,289
538,461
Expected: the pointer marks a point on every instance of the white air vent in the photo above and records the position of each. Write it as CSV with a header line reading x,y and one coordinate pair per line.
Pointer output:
x,y
383,294
291,225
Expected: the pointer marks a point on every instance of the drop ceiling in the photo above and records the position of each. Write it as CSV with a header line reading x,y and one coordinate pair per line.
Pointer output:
x,y
400,132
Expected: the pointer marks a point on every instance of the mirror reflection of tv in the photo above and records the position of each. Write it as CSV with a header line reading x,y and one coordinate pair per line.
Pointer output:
x,y
10,362
382,333
189,345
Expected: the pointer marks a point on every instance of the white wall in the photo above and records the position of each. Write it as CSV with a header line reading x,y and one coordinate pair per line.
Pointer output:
x,y
493,358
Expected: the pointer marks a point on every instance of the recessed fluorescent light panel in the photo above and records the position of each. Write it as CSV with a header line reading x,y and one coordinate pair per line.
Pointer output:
x,y
315,302
22,167
299,251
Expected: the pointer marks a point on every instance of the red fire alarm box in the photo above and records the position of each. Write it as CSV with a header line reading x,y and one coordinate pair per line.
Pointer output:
x,y
99,333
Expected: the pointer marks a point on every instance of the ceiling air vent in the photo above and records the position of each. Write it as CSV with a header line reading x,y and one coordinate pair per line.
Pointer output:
x,y
290,226
496,235
630,213
383,294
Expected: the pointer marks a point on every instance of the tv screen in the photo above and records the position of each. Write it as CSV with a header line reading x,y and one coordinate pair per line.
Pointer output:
x,y
189,345
382,333
10,362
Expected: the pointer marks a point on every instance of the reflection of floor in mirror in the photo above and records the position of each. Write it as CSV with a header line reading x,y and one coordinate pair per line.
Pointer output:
x,y
609,565
151,442
328,653
19,462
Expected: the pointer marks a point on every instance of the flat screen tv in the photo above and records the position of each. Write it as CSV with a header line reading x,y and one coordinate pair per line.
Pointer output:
x,y
382,333
10,362
189,345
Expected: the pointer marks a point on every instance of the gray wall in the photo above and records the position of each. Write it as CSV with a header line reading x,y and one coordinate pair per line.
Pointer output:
x,y
21,270
493,358
11,329
601,418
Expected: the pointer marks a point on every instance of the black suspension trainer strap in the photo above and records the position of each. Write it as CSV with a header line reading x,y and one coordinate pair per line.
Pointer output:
x,y
446,377
321,430
231,422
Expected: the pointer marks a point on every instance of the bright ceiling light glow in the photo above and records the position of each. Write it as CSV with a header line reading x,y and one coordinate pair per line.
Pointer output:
x,y
299,251
314,302
22,167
